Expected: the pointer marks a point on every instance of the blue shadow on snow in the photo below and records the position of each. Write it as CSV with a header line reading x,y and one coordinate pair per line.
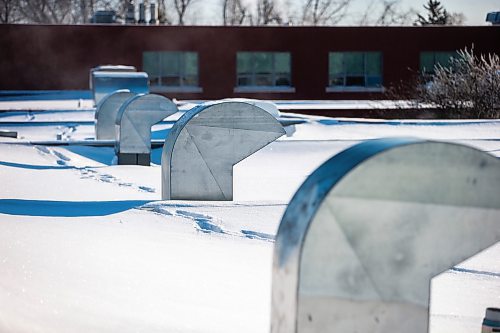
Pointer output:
x,y
35,167
104,155
66,208
41,95
160,134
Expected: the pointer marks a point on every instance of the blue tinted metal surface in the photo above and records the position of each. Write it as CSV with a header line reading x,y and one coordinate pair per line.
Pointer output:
x,y
105,83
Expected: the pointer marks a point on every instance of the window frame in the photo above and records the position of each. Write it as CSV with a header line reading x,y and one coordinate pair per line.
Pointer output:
x,y
181,72
427,74
253,75
344,74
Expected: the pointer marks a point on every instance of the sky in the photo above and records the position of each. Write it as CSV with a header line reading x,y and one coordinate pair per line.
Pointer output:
x,y
208,11
474,10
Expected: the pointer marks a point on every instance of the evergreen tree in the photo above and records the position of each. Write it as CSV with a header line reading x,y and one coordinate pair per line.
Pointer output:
x,y
436,14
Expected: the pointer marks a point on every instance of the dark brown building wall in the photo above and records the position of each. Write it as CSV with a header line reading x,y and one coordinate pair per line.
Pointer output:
x,y
45,57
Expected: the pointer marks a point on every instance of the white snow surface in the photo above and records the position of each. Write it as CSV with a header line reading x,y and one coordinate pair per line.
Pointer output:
x,y
87,246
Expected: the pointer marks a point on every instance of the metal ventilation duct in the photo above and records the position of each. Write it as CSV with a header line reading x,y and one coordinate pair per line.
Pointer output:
x,y
206,142
142,13
104,83
110,68
154,14
133,126
366,232
130,16
106,112
493,18
104,16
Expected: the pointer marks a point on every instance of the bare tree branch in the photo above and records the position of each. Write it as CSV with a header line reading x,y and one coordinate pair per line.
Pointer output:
x,y
83,10
181,7
233,12
9,11
267,13
56,11
46,11
386,13
323,12
163,17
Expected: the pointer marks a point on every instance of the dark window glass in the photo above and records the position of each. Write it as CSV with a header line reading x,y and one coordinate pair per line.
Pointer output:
x,y
244,63
336,63
373,81
429,60
263,80
190,80
373,61
355,69
171,68
244,81
354,63
170,63
355,81
282,81
337,81
263,69
171,80
282,62
263,62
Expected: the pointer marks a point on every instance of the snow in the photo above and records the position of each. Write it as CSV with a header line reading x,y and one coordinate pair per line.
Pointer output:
x,y
86,245
47,105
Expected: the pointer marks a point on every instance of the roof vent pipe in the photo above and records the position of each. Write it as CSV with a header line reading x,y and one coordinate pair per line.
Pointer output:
x,y
130,16
154,14
142,13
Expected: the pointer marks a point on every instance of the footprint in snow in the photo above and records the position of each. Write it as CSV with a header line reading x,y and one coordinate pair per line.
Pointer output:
x,y
42,149
61,156
107,178
257,235
147,189
204,222
86,173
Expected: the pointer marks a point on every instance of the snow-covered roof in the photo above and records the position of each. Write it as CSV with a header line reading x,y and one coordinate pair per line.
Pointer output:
x,y
87,245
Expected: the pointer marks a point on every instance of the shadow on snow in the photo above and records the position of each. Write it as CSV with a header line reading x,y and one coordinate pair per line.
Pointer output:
x,y
66,208
35,167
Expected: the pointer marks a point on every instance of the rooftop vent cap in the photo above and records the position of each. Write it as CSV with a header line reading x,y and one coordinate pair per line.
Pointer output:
x,y
104,16
493,18
130,15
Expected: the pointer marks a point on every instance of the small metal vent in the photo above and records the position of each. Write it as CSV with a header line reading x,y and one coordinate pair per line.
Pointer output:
x,y
104,16
493,18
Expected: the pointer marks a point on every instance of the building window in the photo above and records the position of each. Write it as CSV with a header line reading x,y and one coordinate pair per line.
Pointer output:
x,y
355,71
261,71
429,60
172,70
